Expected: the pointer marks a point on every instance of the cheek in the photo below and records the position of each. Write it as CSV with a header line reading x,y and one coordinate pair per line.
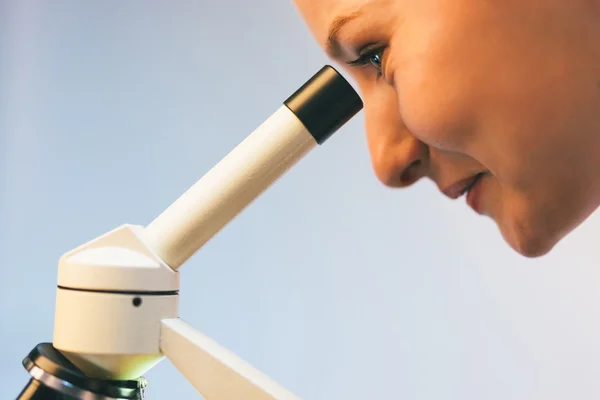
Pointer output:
x,y
475,83
436,108
437,90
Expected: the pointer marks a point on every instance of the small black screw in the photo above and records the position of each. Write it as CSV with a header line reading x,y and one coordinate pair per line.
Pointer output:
x,y
137,301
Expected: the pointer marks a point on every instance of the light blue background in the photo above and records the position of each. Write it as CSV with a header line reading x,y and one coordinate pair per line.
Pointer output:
x,y
333,285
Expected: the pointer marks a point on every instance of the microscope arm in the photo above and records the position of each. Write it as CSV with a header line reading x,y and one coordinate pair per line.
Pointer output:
x,y
214,371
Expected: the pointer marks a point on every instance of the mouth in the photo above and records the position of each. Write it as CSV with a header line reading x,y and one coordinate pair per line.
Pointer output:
x,y
476,179
458,189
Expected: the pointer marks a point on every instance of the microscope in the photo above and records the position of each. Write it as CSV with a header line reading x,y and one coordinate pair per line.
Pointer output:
x,y
117,297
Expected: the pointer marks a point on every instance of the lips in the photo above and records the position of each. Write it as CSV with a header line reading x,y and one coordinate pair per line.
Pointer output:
x,y
459,188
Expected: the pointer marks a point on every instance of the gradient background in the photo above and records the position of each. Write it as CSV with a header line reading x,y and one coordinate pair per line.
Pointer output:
x,y
332,284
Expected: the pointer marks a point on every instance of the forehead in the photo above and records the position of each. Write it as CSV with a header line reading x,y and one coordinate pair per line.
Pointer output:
x,y
320,14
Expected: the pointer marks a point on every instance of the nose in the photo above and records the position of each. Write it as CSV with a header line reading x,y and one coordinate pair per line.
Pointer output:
x,y
399,163
399,159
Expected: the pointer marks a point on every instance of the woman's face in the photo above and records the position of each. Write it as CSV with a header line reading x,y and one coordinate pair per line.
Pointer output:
x,y
505,92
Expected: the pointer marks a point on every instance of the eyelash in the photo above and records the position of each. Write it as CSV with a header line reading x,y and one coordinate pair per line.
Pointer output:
x,y
367,56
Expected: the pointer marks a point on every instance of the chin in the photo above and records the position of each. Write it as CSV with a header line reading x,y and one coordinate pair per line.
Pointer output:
x,y
534,231
529,240
531,247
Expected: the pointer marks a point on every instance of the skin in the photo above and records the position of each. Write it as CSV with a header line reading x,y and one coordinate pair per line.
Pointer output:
x,y
508,87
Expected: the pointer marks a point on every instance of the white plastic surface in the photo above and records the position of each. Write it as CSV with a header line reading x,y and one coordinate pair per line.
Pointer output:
x,y
241,176
118,261
107,336
217,373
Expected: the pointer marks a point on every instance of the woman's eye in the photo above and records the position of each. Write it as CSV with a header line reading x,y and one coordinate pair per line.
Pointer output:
x,y
373,57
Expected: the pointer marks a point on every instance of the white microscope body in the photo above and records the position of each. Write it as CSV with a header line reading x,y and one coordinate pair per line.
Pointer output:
x,y
117,298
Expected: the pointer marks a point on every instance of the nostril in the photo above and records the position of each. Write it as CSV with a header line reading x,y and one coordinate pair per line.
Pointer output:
x,y
410,174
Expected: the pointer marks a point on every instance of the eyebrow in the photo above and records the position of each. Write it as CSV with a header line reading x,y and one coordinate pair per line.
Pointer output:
x,y
332,45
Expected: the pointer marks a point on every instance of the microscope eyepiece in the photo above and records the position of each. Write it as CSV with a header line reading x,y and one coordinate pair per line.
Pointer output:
x,y
325,103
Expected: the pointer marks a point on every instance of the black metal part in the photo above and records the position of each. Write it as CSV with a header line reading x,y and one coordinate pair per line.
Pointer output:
x,y
35,390
54,377
325,103
132,292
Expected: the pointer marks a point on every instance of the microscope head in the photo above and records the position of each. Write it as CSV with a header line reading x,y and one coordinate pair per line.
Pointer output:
x,y
112,294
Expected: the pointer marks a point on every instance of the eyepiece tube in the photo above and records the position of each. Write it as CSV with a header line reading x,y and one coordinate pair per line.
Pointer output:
x,y
307,118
